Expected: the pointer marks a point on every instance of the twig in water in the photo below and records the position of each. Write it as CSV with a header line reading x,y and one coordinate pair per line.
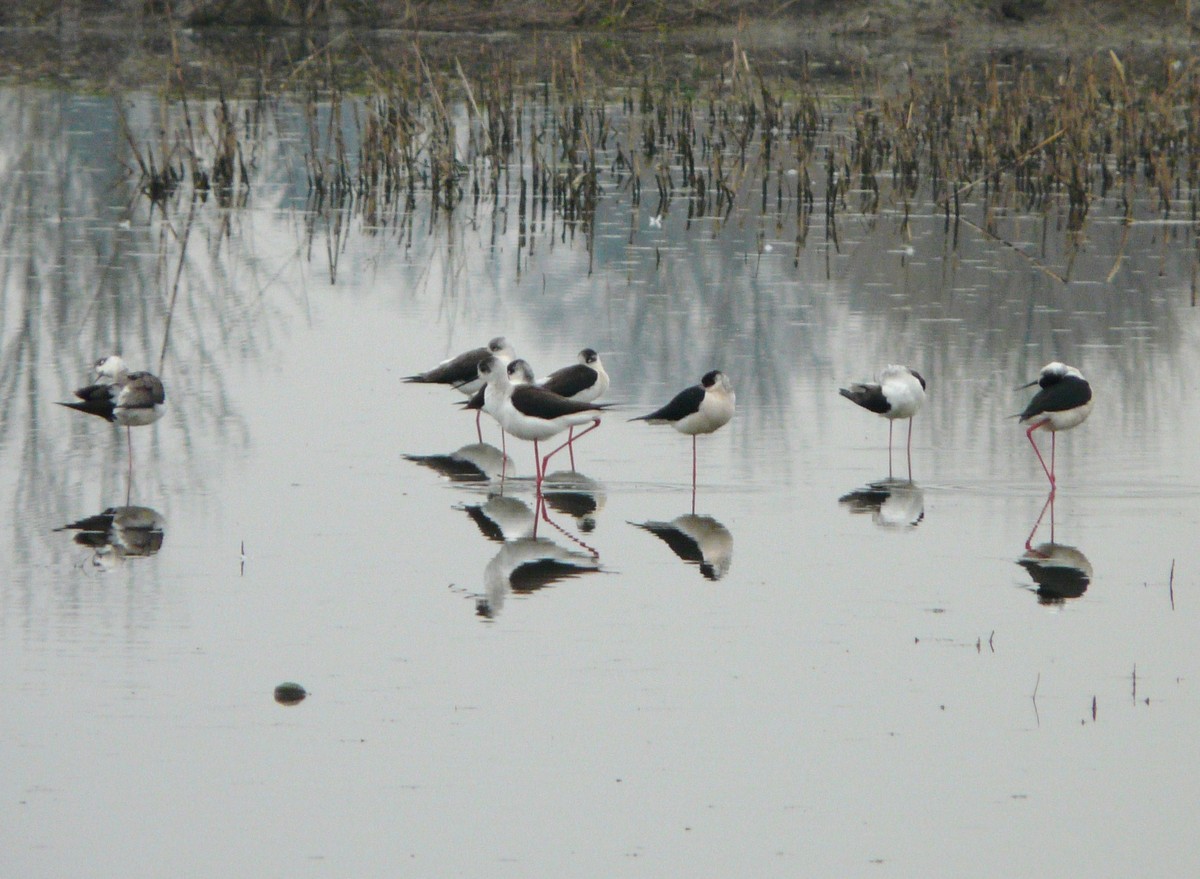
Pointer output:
x,y
1032,260
1033,698
1171,584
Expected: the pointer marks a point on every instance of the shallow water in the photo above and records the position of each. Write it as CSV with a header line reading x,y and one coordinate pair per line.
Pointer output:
x,y
856,676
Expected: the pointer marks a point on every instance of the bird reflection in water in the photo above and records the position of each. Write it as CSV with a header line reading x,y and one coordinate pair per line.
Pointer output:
x,y
573,494
119,533
502,518
525,562
892,503
1059,571
478,462
698,540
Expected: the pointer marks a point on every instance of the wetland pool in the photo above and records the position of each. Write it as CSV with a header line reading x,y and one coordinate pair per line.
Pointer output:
x,y
814,671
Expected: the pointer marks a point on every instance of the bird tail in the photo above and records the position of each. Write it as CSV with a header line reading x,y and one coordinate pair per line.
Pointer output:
x,y
102,409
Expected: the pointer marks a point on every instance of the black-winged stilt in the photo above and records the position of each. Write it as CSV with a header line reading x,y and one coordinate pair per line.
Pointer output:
x,y
584,381
519,373
130,399
899,393
1064,401
462,372
532,413
702,408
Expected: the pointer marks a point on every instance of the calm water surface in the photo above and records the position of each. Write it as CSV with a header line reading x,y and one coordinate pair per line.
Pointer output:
x,y
856,681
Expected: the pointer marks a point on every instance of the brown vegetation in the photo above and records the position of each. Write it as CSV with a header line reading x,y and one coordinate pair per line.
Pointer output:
x,y
619,15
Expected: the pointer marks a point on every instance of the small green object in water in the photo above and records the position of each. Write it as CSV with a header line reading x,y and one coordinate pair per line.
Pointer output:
x,y
289,693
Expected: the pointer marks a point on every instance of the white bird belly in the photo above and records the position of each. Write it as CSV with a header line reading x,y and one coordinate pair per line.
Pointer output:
x,y
1067,419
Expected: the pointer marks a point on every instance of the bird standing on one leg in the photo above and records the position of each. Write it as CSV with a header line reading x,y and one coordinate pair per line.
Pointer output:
x,y
898,394
131,399
1064,401
702,408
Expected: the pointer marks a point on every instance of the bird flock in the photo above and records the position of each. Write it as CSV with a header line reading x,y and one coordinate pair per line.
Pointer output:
x,y
502,385
495,381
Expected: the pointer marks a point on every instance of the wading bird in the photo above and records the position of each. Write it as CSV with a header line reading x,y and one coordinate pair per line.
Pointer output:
x,y
899,393
532,413
519,373
462,372
131,399
584,381
1064,401
702,408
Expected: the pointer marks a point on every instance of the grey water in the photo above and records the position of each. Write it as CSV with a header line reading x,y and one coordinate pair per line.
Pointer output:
x,y
816,666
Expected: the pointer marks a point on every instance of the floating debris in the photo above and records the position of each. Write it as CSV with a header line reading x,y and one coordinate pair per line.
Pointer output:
x,y
289,693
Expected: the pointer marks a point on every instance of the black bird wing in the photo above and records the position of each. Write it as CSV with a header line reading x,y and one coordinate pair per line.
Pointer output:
x,y
98,400
107,391
869,396
683,404
682,545
476,401
1056,582
1066,393
570,380
866,500
486,526
457,371
538,402
575,504
453,468
101,522
539,573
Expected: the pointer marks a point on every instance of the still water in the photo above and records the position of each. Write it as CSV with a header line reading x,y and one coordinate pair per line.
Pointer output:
x,y
807,669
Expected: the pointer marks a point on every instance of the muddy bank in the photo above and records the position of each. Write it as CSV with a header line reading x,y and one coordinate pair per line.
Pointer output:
x,y
223,45
613,15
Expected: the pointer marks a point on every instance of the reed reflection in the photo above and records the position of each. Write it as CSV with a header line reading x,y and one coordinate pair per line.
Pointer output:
x,y
119,533
1059,571
892,503
477,462
698,540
